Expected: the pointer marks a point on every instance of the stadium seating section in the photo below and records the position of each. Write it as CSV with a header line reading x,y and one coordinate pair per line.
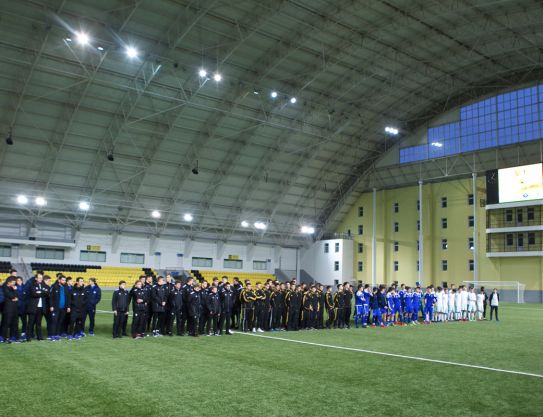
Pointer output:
x,y
106,276
254,277
5,267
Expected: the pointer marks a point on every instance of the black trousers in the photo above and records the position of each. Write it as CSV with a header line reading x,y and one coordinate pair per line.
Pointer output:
x,y
340,318
76,322
347,316
33,328
10,328
204,314
138,322
49,323
248,318
90,312
23,322
225,322
278,313
484,310
293,319
193,325
149,317
331,317
259,315
320,317
184,320
236,313
58,317
119,323
158,321
178,316
494,309
213,323
169,317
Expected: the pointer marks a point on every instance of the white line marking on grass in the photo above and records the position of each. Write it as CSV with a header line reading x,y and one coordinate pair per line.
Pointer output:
x,y
104,311
395,355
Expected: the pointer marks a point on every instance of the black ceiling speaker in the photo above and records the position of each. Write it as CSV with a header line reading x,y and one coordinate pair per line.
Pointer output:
x,y
9,139
110,156
195,169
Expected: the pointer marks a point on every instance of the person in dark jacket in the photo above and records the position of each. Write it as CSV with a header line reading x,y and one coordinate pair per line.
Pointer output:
x,y
294,302
227,307
22,290
78,309
46,288
339,306
237,288
140,300
159,297
213,304
186,288
277,301
248,300
193,304
204,313
119,305
10,329
59,305
348,292
93,295
168,319
176,309
35,307
149,288
66,324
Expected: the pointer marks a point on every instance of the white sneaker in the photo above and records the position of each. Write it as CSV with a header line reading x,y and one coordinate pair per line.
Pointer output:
x,y
260,330
254,330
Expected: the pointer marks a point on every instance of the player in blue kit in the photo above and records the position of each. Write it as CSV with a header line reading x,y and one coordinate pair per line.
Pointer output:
x,y
407,305
397,311
429,301
367,302
417,295
378,306
390,307
359,307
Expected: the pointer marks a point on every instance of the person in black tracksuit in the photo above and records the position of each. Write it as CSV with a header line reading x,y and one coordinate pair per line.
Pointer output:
x,y
267,308
320,313
204,313
94,295
187,289
168,317
10,329
213,304
227,307
329,303
139,297
248,299
176,308
35,307
47,311
159,297
260,306
149,313
294,302
237,288
78,308
277,301
193,304
119,304
348,291
60,302
339,306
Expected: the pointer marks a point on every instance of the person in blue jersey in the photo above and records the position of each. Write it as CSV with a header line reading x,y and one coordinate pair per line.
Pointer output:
x,y
397,309
359,310
429,302
390,306
417,295
407,305
367,303
402,292
94,295
59,305
379,306
22,291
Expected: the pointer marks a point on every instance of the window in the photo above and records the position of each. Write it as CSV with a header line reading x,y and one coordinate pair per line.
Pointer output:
x,y
509,239
444,265
508,215
418,205
519,216
360,248
531,238
470,199
396,207
520,240
5,251
260,265
396,246
326,248
471,221
530,213
92,256
49,253
470,243
198,262
133,258
360,266
396,226
444,244
336,266
418,266
360,211
418,245
360,229
233,264
444,223
418,225
471,265
337,247
443,202
396,266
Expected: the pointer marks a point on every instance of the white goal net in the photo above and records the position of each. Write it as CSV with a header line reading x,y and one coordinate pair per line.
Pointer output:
x,y
512,291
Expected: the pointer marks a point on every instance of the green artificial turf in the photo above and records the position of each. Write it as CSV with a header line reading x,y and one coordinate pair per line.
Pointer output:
x,y
243,375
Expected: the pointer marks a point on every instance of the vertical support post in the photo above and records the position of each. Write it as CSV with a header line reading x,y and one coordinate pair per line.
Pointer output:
x,y
374,240
421,237
475,234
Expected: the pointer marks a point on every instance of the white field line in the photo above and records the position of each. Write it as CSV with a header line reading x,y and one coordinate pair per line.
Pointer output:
x,y
395,355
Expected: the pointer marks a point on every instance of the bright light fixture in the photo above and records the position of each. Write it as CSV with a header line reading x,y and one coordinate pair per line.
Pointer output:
x,y
188,217
260,226
244,223
83,205
131,52
155,214
100,48
437,144
293,100
217,77
392,130
202,73
68,39
22,199
40,201
273,94
308,230
82,38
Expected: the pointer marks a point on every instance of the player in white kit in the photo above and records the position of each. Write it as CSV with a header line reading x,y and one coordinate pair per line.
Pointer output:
x,y
451,311
439,304
464,302
480,304
445,304
472,304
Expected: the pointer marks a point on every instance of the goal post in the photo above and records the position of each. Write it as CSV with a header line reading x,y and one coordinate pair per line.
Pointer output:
x,y
511,291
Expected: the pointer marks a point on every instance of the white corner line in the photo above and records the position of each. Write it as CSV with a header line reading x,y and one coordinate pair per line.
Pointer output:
x,y
395,355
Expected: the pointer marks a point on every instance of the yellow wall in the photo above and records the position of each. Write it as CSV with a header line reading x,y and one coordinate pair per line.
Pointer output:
x,y
528,270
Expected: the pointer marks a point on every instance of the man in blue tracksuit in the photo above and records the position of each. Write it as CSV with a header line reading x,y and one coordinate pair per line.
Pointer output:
x,y
417,295
59,304
21,305
429,301
93,294
359,302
